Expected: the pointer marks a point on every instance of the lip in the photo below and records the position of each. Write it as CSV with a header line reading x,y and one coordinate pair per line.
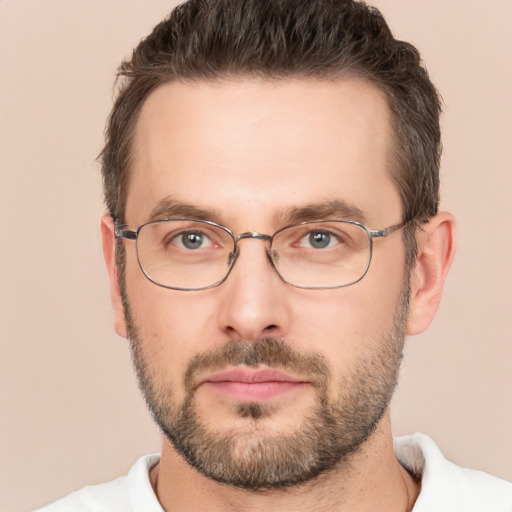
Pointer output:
x,y
252,385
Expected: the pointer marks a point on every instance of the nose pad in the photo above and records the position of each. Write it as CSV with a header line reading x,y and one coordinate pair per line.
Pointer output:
x,y
231,258
273,256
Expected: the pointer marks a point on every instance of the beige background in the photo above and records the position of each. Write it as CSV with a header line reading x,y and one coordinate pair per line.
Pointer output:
x,y
70,411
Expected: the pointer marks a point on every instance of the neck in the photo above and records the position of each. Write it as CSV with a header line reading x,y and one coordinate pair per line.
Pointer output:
x,y
371,480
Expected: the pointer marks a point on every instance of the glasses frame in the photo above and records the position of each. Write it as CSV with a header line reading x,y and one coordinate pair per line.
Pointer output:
x,y
121,232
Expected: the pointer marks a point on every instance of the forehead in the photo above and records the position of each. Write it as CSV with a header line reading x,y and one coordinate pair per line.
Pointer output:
x,y
253,147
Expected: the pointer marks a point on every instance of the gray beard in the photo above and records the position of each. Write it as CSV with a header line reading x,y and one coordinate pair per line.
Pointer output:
x,y
330,433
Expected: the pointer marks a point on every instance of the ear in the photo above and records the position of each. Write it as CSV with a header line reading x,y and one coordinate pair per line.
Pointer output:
x,y
108,239
436,248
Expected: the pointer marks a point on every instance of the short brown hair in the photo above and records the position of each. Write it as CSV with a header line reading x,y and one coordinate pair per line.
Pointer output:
x,y
278,39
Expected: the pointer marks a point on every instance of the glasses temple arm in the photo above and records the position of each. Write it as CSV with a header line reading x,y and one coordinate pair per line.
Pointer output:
x,y
124,233
377,233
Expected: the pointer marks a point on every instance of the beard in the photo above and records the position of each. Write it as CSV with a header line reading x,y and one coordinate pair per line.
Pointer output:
x,y
254,457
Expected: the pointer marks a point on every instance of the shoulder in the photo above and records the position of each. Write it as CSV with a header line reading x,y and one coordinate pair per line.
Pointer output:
x,y
446,486
131,492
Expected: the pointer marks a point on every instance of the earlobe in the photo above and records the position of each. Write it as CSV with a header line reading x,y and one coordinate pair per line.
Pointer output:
x,y
436,249
108,239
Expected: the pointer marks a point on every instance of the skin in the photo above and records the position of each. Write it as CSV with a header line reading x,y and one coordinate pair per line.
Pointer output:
x,y
248,150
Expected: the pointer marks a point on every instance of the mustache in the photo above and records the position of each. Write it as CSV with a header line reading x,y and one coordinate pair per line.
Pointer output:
x,y
271,352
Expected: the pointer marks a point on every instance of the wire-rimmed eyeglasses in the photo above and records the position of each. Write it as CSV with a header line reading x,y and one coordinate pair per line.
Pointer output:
x,y
190,254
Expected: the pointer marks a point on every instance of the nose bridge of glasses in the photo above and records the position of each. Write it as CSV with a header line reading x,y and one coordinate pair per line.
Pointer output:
x,y
257,236
253,234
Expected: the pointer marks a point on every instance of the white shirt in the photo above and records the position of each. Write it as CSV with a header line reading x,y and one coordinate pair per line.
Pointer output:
x,y
445,487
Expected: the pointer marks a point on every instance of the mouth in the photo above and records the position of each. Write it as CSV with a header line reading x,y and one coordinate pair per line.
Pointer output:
x,y
252,385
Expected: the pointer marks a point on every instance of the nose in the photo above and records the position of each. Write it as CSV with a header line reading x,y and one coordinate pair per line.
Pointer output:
x,y
254,298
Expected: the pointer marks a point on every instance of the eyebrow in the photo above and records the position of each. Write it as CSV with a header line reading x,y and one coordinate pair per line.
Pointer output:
x,y
171,208
334,209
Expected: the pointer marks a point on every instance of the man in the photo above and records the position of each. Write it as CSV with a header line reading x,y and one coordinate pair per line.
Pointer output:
x,y
271,176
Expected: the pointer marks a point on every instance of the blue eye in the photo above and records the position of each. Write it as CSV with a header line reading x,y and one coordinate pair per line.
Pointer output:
x,y
319,239
191,240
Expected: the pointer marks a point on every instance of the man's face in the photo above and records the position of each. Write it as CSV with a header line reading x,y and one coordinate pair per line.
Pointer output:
x,y
258,383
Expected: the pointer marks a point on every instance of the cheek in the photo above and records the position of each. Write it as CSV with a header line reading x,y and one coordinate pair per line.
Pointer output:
x,y
348,324
169,327
173,325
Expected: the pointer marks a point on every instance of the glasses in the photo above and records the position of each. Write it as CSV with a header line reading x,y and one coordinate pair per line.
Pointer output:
x,y
189,254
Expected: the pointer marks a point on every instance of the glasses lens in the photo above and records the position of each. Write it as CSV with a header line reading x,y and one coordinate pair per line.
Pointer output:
x,y
184,254
322,254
